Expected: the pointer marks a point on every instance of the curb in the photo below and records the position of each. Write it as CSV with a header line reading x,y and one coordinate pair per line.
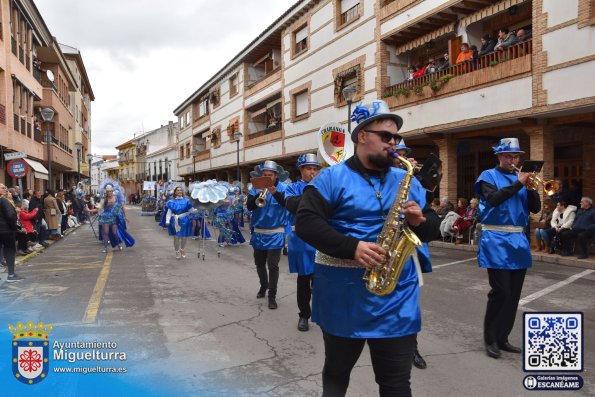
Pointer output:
x,y
19,260
549,258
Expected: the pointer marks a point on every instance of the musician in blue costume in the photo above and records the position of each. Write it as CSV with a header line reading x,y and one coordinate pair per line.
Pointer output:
x,y
268,229
177,220
504,251
341,215
300,254
112,216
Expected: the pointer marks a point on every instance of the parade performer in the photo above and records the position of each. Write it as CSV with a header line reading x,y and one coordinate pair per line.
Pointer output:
x,y
112,216
300,254
504,250
269,219
341,215
168,193
199,227
178,221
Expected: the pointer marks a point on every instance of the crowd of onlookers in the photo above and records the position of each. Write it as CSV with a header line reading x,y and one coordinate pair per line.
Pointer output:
x,y
566,225
42,217
470,54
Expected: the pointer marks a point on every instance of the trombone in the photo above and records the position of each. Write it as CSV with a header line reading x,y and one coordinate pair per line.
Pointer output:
x,y
550,187
261,199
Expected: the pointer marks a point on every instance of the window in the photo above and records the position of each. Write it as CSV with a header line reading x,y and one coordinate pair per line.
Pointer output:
x,y
300,40
233,126
301,104
265,118
233,85
349,75
203,107
188,117
216,137
300,101
181,152
187,149
215,97
264,66
348,12
200,143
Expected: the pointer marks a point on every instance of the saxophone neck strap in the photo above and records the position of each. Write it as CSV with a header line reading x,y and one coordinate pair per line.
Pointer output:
x,y
359,167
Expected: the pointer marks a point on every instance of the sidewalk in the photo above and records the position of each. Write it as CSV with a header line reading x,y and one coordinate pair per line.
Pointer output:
x,y
572,261
20,259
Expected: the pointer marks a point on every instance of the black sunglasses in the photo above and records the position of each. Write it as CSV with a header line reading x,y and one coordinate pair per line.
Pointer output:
x,y
386,136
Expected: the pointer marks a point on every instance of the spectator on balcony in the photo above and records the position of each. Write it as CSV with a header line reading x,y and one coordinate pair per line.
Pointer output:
x,y
523,35
465,54
444,63
430,67
506,39
420,71
411,72
487,45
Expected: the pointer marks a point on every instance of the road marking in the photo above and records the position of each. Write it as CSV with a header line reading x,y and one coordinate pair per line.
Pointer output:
x,y
95,301
454,263
553,287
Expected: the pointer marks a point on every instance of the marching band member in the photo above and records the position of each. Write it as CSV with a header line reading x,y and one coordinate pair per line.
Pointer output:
x,y
268,229
300,254
341,215
504,250
177,220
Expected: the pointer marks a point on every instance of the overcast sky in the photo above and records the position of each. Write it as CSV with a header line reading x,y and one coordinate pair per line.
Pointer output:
x,y
145,57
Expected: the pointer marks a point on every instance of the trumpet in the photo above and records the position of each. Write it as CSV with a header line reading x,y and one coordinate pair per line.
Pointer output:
x,y
261,199
550,187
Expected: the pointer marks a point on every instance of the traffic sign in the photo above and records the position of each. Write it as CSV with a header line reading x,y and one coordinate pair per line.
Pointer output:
x,y
17,168
15,155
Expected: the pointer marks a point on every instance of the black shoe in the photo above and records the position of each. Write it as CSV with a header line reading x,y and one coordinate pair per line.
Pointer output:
x,y
285,251
261,292
419,361
272,303
303,324
13,278
45,245
507,347
492,350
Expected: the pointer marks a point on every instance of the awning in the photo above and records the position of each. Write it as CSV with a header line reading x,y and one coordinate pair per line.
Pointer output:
x,y
39,171
497,8
450,28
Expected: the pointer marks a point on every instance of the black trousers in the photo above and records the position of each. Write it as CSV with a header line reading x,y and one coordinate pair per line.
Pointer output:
x,y
8,241
304,294
503,301
391,360
582,238
270,258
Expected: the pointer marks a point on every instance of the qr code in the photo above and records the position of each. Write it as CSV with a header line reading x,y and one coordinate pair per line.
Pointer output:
x,y
553,341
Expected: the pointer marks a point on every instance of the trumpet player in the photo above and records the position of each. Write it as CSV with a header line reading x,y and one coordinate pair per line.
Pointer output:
x,y
301,255
504,250
269,220
341,214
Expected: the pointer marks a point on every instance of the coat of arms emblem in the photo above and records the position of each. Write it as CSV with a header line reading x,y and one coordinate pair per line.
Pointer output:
x,y
30,351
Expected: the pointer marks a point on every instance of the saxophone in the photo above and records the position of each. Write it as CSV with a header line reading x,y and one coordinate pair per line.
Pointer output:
x,y
397,240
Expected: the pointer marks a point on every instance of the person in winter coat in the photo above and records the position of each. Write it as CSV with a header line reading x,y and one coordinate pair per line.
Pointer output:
x,y
562,220
51,211
583,229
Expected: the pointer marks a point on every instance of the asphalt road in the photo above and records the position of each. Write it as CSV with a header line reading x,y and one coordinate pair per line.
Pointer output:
x,y
195,326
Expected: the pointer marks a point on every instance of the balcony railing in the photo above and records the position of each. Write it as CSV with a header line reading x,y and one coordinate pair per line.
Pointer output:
x,y
268,130
490,60
37,74
252,83
37,135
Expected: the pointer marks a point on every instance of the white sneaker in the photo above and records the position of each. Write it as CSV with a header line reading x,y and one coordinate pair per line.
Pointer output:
x,y
37,246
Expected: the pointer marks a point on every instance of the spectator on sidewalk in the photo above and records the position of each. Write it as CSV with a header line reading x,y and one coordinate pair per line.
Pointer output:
x,y
52,210
543,231
583,229
26,217
562,219
39,224
8,225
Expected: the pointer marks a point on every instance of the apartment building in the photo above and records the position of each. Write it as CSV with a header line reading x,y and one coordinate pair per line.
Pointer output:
x,y
269,101
34,75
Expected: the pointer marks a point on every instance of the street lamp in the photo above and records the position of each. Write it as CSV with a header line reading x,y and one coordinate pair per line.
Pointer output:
x,y
79,147
348,94
89,158
237,135
194,153
47,114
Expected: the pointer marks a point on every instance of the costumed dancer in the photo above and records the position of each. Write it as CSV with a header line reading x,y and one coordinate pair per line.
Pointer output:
x,y
300,254
341,214
235,212
177,220
169,194
269,219
109,210
504,207
199,228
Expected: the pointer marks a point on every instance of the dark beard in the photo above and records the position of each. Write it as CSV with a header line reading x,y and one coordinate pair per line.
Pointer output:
x,y
380,161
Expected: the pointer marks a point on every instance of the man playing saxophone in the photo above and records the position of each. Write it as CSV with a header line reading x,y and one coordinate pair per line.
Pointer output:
x,y
269,220
341,214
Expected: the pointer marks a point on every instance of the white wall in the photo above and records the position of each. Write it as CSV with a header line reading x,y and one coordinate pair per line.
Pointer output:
x,y
571,83
470,105
560,11
569,43
412,13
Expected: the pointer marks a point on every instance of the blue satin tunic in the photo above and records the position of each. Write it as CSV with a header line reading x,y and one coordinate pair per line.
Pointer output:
x,y
273,215
179,206
498,249
300,255
341,304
